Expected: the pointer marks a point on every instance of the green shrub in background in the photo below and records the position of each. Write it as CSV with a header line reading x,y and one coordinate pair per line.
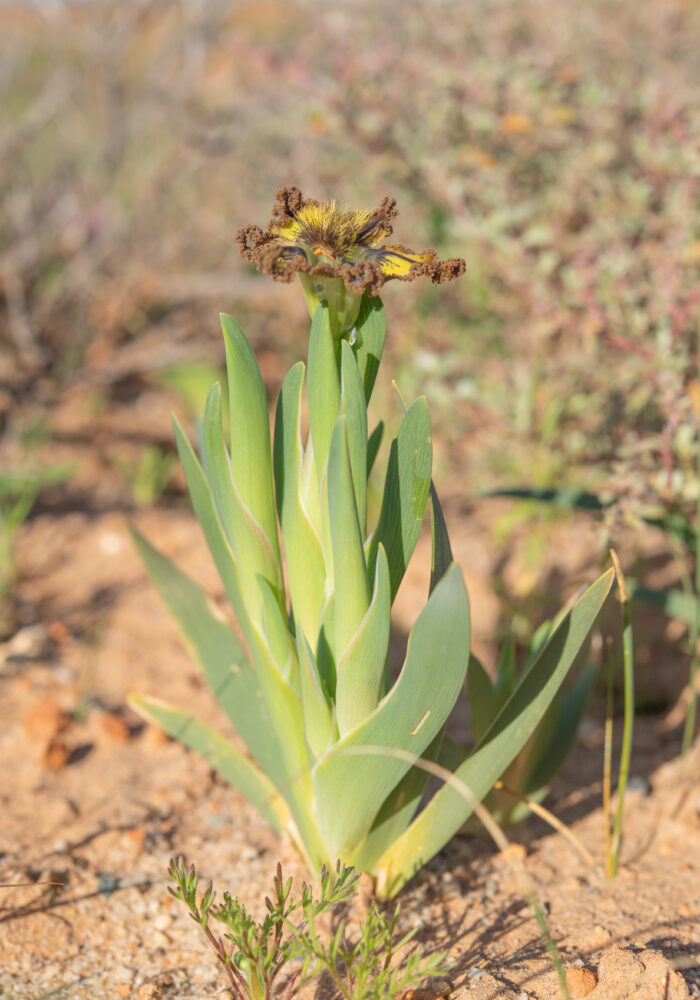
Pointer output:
x,y
309,689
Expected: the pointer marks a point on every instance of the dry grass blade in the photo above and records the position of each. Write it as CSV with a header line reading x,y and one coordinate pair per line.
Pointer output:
x,y
553,821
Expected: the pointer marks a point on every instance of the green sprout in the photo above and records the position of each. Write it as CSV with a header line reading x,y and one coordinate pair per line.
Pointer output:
x,y
258,952
309,687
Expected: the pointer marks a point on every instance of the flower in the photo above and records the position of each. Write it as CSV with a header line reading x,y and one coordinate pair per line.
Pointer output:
x,y
338,253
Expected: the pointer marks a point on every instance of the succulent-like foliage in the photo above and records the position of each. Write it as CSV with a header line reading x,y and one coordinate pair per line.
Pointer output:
x,y
309,690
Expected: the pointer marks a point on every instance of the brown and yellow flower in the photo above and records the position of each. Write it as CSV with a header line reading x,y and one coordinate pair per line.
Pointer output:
x,y
338,253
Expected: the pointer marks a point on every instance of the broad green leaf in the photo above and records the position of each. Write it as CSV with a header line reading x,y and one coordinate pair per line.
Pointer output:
x,y
375,440
318,716
508,733
350,786
282,702
325,657
352,591
406,491
203,503
255,554
482,698
397,810
205,509
251,453
302,549
553,742
354,408
505,674
360,669
221,754
441,556
223,661
370,332
276,634
322,386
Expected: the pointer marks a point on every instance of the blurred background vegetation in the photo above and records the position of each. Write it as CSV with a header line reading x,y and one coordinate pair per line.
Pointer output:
x,y
556,147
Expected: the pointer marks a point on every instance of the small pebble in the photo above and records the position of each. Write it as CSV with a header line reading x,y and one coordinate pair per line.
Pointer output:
x,y
155,737
107,884
158,940
149,991
44,720
136,838
110,543
637,784
56,755
514,853
475,973
581,982
114,727
29,643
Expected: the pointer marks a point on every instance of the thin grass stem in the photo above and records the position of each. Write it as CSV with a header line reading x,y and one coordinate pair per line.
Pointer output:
x,y
607,756
628,724
691,591
550,818
691,711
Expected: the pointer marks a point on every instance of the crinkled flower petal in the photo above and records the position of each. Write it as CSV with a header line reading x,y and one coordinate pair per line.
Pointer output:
x,y
324,241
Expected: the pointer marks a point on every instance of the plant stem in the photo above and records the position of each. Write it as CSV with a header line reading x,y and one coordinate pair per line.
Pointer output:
x,y
691,711
607,757
691,592
628,726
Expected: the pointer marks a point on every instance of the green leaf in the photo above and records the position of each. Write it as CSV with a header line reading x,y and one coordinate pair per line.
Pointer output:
x,y
354,408
221,754
441,549
318,717
554,740
322,386
482,698
204,508
283,704
306,570
349,786
406,491
251,453
506,736
505,673
360,670
254,553
373,444
277,637
397,810
217,650
369,340
352,593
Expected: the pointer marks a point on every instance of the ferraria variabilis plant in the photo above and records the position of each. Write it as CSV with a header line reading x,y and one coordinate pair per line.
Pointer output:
x,y
310,687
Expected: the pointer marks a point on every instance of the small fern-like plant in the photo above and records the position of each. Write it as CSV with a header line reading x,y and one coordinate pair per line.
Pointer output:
x,y
254,954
